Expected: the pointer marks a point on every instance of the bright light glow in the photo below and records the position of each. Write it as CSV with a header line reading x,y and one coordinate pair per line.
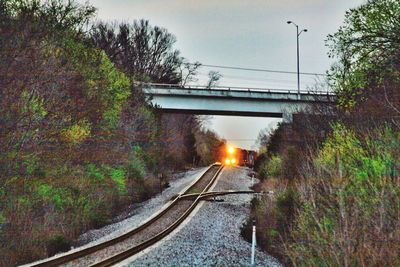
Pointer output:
x,y
231,150
233,161
227,161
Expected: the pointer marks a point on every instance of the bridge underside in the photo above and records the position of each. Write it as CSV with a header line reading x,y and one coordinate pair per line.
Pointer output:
x,y
222,112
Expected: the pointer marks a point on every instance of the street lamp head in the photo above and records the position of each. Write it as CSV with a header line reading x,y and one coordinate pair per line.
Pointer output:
x,y
305,30
289,22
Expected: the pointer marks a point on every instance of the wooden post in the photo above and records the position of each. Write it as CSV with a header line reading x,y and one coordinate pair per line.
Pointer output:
x,y
253,244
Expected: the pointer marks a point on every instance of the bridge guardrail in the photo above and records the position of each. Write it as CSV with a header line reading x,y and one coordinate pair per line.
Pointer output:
x,y
233,88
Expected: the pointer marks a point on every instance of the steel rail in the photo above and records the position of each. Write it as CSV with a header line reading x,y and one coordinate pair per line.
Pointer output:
x,y
137,248
89,250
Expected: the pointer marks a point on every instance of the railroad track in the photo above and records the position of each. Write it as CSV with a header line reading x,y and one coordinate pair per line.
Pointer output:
x,y
117,249
209,194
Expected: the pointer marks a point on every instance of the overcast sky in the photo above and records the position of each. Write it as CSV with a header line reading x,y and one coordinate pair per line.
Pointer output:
x,y
251,33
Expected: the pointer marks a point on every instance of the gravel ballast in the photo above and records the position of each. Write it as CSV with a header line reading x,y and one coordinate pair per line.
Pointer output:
x,y
141,212
212,236
152,230
137,214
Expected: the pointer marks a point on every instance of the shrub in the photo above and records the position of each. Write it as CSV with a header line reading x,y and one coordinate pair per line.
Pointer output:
x,y
346,154
76,133
273,216
274,166
94,172
346,213
136,166
56,244
65,163
98,219
286,203
269,167
350,220
118,176
53,196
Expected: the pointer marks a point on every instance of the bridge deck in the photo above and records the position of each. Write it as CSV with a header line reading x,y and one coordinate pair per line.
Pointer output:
x,y
232,101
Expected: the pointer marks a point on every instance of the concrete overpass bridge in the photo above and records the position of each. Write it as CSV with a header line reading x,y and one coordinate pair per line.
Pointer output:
x,y
233,101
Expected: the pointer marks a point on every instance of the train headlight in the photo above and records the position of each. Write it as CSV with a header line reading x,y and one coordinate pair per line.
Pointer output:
x,y
231,150
233,161
227,161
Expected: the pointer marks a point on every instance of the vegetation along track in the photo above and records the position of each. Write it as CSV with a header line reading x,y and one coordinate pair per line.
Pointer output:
x,y
117,249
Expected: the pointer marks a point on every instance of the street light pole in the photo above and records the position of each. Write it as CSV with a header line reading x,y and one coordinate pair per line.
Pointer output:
x,y
298,64
298,55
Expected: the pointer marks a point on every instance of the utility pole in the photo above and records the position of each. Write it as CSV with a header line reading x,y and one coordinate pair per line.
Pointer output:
x,y
298,55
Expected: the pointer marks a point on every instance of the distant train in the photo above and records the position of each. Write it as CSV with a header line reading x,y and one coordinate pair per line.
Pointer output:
x,y
238,156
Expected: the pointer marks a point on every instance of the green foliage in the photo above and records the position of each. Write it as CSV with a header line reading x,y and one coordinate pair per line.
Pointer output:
x,y
361,212
55,196
136,166
69,125
272,233
269,166
347,200
31,165
344,146
33,105
119,177
76,133
2,218
359,208
102,79
150,120
371,159
94,172
286,202
44,190
365,43
274,166
274,219
346,210
118,90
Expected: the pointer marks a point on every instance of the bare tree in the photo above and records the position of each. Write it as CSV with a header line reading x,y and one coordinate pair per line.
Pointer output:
x,y
144,52
213,78
264,137
189,72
